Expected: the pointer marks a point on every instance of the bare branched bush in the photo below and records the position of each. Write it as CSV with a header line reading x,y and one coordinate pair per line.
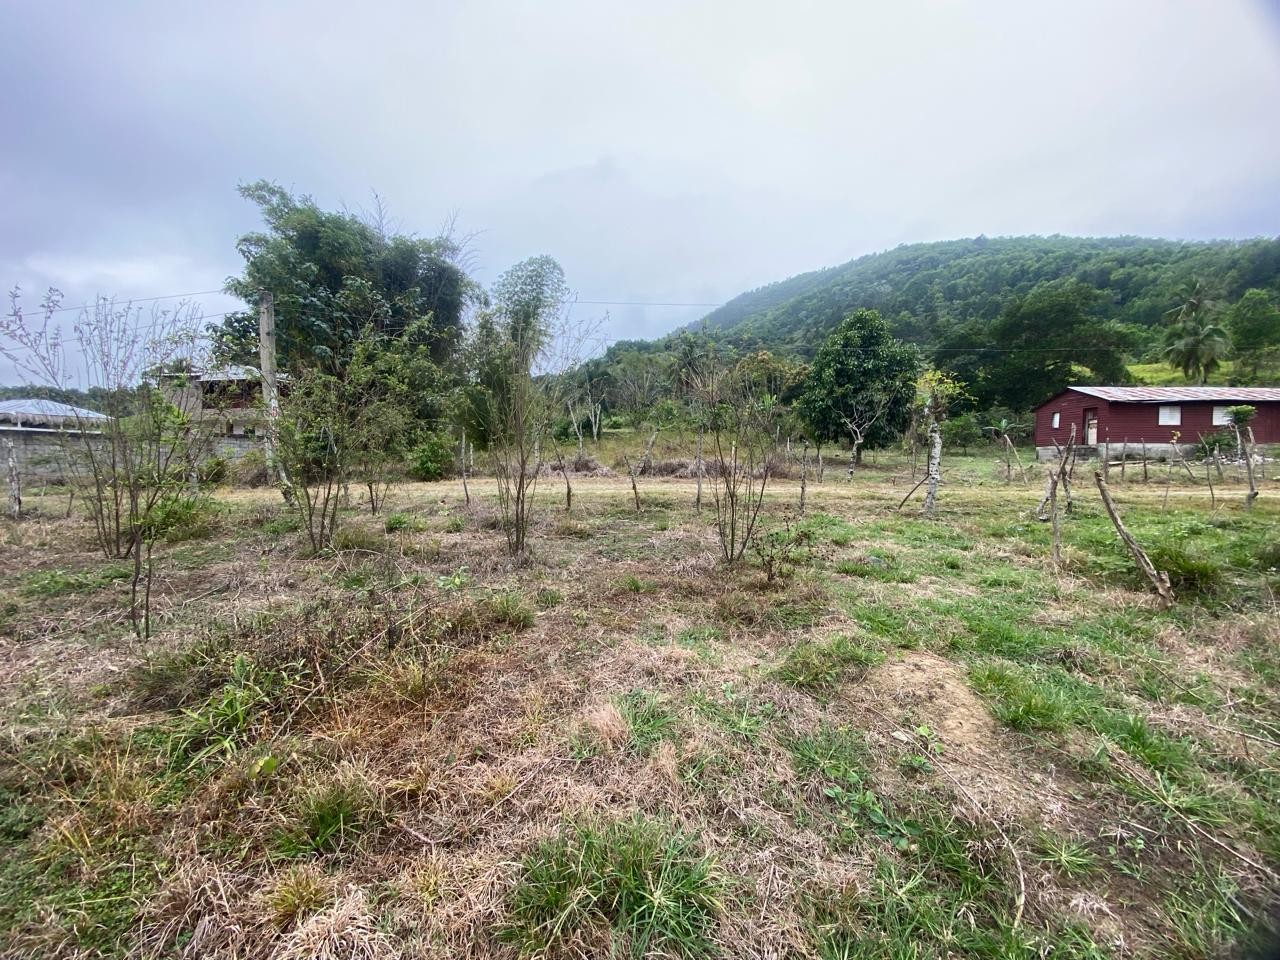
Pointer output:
x,y
523,346
315,441
135,460
782,549
740,428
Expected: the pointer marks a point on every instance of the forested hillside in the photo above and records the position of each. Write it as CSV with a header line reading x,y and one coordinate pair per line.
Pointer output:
x,y
931,292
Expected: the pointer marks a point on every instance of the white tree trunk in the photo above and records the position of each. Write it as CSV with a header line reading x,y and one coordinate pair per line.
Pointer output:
x,y
15,485
934,470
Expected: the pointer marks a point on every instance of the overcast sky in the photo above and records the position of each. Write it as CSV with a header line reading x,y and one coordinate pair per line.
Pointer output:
x,y
664,151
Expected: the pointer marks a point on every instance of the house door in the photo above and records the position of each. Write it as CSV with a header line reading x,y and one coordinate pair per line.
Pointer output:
x,y
1091,426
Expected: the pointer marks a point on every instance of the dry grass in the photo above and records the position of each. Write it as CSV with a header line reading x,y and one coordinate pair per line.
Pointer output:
x,y
422,717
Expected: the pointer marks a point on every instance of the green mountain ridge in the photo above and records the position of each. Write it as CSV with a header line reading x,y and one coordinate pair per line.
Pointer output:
x,y
928,291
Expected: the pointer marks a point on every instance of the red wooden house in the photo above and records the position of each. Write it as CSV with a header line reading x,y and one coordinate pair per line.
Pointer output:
x,y
1105,418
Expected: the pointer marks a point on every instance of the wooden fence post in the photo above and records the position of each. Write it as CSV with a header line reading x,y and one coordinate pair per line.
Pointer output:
x,y
1159,579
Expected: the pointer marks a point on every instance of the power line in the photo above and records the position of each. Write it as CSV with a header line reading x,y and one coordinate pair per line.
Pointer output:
x,y
207,293
132,300
644,303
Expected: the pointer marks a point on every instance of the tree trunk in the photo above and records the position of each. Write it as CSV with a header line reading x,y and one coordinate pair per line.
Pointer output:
x,y
15,485
804,475
1055,550
1247,444
564,472
933,470
635,490
646,462
697,469
1059,475
466,492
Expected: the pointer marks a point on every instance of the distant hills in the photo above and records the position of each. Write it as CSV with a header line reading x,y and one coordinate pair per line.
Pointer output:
x,y
929,291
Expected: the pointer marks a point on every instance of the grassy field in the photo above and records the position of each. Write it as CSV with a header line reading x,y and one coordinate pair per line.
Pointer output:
x,y
1163,375
918,741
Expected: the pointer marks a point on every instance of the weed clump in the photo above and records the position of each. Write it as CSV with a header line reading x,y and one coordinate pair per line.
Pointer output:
x,y
297,893
1191,575
508,609
630,583
1020,702
355,539
396,522
327,813
643,887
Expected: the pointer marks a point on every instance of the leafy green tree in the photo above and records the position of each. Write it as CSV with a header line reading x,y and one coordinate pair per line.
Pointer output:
x,y
963,431
394,396
332,275
1044,342
1254,324
860,385
1197,347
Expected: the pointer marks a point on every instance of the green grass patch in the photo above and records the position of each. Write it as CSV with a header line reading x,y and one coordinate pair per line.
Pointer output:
x,y
736,713
61,583
630,583
648,717
825,527
820,664
649,890
886,569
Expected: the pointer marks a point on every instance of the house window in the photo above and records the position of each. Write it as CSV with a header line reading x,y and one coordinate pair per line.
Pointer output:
x,y
1220,417
1170,417
1057,419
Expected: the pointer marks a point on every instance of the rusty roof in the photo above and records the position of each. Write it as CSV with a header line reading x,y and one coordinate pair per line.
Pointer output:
x,y
1181,394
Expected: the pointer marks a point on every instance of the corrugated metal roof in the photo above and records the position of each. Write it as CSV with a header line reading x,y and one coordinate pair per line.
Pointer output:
x,y
1181,394
228,373
232,371
35,407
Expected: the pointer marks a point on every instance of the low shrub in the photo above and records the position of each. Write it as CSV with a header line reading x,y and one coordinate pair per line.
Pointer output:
x,y
184,518
783,549
358,539
213,471
432,459
249,471
397,522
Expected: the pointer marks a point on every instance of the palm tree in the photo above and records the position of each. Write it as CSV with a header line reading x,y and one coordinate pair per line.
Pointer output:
x,y
1196,346
1193,301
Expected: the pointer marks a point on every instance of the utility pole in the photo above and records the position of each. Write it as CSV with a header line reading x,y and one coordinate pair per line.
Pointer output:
x,y
270,392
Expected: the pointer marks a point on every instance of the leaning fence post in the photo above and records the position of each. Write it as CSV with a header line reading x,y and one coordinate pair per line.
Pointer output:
x,y
1159,579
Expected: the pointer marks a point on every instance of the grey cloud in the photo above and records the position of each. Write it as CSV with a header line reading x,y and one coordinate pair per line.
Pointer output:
x,y
665,151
